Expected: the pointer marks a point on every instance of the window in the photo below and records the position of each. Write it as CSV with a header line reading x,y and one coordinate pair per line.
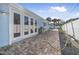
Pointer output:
x,y
16,25
35,29
31,21
31,30
26,20
25,33
16,34
36,22
16,18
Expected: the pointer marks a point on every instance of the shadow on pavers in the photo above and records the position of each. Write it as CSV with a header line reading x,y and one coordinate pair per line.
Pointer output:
x,y
69,49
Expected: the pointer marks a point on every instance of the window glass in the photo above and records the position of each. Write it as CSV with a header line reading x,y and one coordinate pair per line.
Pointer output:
x,y
31,21
26,20
25,33
35,29
36,22
31,30
16,25
16,18
16,34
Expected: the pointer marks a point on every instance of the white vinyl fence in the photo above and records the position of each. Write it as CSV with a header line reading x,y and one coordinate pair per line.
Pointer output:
x,y
72,28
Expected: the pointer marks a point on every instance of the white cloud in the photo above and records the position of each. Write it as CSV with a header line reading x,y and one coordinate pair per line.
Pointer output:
x,y
58,8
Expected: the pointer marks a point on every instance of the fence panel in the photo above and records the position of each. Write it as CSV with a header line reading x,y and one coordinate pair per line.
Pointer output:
x,y
72,28
69,29
76,29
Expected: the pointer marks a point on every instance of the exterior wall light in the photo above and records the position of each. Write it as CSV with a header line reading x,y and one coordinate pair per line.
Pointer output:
x,y
3,13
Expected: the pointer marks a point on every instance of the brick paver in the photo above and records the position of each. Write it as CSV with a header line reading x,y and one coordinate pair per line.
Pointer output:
x,y
37,45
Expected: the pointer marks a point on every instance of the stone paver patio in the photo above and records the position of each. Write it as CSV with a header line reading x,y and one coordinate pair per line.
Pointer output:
x,y
37,45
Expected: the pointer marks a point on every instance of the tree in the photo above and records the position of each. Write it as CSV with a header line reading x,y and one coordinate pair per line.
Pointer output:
x,y
57,22
48,19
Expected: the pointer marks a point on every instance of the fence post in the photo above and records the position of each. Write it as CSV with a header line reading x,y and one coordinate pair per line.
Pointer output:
x,y
73,29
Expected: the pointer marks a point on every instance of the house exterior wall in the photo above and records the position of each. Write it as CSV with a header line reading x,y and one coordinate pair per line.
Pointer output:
x,y
40,23
4,25
46,27
22,12
7,27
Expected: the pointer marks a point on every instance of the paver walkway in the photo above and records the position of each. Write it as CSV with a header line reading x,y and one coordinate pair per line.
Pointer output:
x,y
38,45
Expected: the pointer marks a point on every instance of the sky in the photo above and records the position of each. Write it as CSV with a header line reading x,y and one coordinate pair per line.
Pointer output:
x,y
62,11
